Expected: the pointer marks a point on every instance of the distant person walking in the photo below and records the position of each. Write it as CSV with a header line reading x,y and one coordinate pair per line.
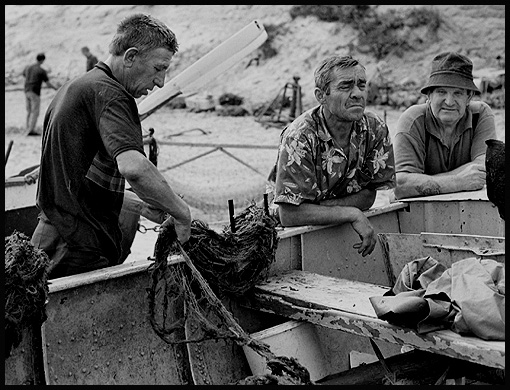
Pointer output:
x,y
34,76
91,58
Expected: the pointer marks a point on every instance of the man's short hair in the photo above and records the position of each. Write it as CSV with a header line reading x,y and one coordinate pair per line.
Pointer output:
x,y
144,32
40,57
323,72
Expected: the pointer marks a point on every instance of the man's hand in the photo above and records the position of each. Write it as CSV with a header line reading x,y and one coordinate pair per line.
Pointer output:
x,y
133,204
473,176
183,230
153,214
366,232
31,178
156,215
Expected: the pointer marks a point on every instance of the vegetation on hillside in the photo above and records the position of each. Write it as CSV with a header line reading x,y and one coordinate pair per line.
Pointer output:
x,y
380,32
405,38
396,32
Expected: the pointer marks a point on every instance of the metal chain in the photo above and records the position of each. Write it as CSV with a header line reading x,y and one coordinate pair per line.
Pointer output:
x,y
142,229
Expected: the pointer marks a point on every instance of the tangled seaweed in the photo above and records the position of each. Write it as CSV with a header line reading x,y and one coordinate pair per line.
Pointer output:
x,y
234,262
26,288
230,263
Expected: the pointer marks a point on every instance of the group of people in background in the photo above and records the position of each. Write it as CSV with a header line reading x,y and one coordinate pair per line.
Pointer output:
x,y
35,75
331,160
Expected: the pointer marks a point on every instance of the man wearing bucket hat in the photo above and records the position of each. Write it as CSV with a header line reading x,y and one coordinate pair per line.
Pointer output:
x,y
440,145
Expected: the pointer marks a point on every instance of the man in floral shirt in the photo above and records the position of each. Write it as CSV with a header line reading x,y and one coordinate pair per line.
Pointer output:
x,y
334,157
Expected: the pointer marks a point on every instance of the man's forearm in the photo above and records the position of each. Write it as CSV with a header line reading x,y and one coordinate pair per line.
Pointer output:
x,y
411,185
49,84
363,200
467,177
159,194
151,186
314,214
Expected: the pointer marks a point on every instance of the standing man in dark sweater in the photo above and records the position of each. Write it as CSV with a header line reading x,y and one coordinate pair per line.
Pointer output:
x,y
34,76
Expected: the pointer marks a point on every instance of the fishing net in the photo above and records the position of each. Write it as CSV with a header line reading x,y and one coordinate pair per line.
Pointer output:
x,y
26,288
234,262
216,265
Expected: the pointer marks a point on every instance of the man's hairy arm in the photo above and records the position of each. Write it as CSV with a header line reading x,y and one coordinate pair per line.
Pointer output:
x,y
363,200
467,177
51,85
150,185
314,214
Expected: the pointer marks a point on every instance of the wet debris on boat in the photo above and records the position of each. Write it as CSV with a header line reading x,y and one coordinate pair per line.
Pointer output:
x,y
230,263
26,288
234,261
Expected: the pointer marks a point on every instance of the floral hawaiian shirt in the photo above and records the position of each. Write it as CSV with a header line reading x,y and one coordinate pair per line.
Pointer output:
x,y
311,167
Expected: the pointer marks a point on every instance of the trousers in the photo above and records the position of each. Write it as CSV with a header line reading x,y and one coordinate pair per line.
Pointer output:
x,y
33,105
63,260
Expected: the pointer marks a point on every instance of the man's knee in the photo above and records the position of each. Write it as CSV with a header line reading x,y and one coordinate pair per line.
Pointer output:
x,y
63,261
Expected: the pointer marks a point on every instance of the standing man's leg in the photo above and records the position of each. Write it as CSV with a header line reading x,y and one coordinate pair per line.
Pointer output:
x,y
35,104
28,104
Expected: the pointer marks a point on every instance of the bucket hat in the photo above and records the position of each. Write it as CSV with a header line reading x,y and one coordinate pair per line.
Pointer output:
x,y
451,69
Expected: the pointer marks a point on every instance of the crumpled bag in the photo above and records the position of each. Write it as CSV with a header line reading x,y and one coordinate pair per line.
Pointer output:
x,y
468,298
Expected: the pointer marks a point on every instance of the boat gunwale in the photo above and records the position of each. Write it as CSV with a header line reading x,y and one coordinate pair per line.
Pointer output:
x,y
372,212
129,268
104,274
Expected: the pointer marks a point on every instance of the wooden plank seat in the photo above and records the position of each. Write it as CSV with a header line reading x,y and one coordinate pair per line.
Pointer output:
x,y
344,305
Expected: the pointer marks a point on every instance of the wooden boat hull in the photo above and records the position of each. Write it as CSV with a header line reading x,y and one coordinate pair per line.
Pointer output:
x,y
97,330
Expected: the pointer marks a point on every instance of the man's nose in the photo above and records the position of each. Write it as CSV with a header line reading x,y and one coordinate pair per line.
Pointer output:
x,y
356,91
449,99
159,81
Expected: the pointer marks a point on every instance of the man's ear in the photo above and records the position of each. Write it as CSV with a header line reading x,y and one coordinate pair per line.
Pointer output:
x,y
319,95
129,56
470,96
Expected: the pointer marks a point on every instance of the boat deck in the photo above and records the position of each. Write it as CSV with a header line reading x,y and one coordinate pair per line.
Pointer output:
x,y
345,305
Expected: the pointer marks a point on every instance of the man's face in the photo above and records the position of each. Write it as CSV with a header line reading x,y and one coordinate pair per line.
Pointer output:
x,y
147,71
449,104
347,93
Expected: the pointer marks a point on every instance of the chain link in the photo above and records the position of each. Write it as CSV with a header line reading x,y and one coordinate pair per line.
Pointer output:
x,y
142,229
